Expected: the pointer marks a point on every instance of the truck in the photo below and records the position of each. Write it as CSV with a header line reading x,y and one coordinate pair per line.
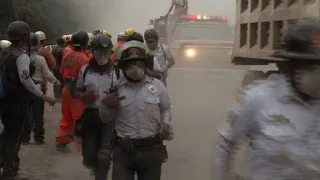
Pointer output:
x,y
197,41
260,26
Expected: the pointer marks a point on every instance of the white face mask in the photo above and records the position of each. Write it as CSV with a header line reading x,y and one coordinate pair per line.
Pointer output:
x,y
135,73
101,58
308,81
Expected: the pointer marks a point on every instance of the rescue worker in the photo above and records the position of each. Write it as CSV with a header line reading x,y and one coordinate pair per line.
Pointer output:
x,y
58,53
41,71
94,80
180,8
139,144
14,103
160,51
279,117
72,108
69,46
46,53
153,67
120,39
4,44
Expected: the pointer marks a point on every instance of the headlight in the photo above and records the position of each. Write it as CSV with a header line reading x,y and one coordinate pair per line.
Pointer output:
x,y
190,53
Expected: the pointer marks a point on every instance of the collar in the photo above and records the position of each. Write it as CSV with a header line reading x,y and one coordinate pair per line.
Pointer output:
x,y
124,81
286,92
157,49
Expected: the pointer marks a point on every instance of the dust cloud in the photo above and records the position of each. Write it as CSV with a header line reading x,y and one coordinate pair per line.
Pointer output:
x,y
199,114
116,16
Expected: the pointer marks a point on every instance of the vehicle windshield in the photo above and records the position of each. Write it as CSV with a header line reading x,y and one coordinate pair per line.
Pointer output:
x,y
205,32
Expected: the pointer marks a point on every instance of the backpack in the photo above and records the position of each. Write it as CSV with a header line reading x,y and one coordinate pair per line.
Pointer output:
x,y
5,75
4,80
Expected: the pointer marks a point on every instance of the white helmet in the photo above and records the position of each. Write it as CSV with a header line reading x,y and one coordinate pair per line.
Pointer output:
x,y
41,35
4,44
121,36
91,36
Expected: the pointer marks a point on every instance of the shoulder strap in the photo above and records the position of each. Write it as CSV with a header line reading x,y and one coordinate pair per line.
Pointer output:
x,y
164,52
85,72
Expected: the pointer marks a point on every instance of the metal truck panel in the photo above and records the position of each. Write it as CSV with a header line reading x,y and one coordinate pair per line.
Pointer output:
x,y
260,25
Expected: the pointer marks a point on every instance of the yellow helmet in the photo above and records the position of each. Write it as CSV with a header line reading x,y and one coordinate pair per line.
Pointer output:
x,y
129,32
104,32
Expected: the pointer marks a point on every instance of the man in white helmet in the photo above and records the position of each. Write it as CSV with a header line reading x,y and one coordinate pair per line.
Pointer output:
x,y
46,53
43,51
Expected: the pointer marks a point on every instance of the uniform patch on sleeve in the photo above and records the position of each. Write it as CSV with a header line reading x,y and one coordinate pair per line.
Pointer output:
x,y
232,117
278,118
25,74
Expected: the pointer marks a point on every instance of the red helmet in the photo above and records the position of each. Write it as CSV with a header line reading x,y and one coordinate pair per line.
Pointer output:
x,y
151,34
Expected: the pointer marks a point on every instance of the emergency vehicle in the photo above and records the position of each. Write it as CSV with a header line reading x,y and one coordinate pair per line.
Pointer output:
x,y
197,41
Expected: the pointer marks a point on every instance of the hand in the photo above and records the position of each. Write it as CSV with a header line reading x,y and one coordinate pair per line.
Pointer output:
x,y
48,99
167,132
57,84
111,100
89,98
165,70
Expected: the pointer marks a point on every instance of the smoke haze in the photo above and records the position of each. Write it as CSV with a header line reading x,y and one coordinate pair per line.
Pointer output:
x,y
116,16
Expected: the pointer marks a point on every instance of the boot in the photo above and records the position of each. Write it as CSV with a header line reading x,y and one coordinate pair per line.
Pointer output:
x,y
25,142
39,141
63,148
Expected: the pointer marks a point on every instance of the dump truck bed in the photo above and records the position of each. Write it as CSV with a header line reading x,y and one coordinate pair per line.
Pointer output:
x,y
260,25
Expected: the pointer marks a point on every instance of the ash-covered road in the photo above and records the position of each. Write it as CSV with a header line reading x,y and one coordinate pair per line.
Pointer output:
x,y
200,99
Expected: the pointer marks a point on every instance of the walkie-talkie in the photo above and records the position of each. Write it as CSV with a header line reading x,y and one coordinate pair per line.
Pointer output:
x,y
114,89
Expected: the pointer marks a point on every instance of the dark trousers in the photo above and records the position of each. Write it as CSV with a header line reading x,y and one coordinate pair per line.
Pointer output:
x,y
35,121
58,91
14,118
146,162
97,146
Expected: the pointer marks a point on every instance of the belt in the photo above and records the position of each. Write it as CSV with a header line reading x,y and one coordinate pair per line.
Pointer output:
x,y
144,142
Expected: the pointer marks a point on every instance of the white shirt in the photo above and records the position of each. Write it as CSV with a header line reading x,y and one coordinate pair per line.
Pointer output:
x,y
283,132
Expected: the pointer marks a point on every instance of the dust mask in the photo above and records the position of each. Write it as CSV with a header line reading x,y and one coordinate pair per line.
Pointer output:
x,y
101,58
135,73
307,81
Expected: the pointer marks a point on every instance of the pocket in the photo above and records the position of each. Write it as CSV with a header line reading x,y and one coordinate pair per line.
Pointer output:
x,y
150,106
126,111
150,157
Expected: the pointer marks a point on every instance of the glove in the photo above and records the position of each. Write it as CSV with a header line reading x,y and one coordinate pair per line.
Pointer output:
x,y
89,98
